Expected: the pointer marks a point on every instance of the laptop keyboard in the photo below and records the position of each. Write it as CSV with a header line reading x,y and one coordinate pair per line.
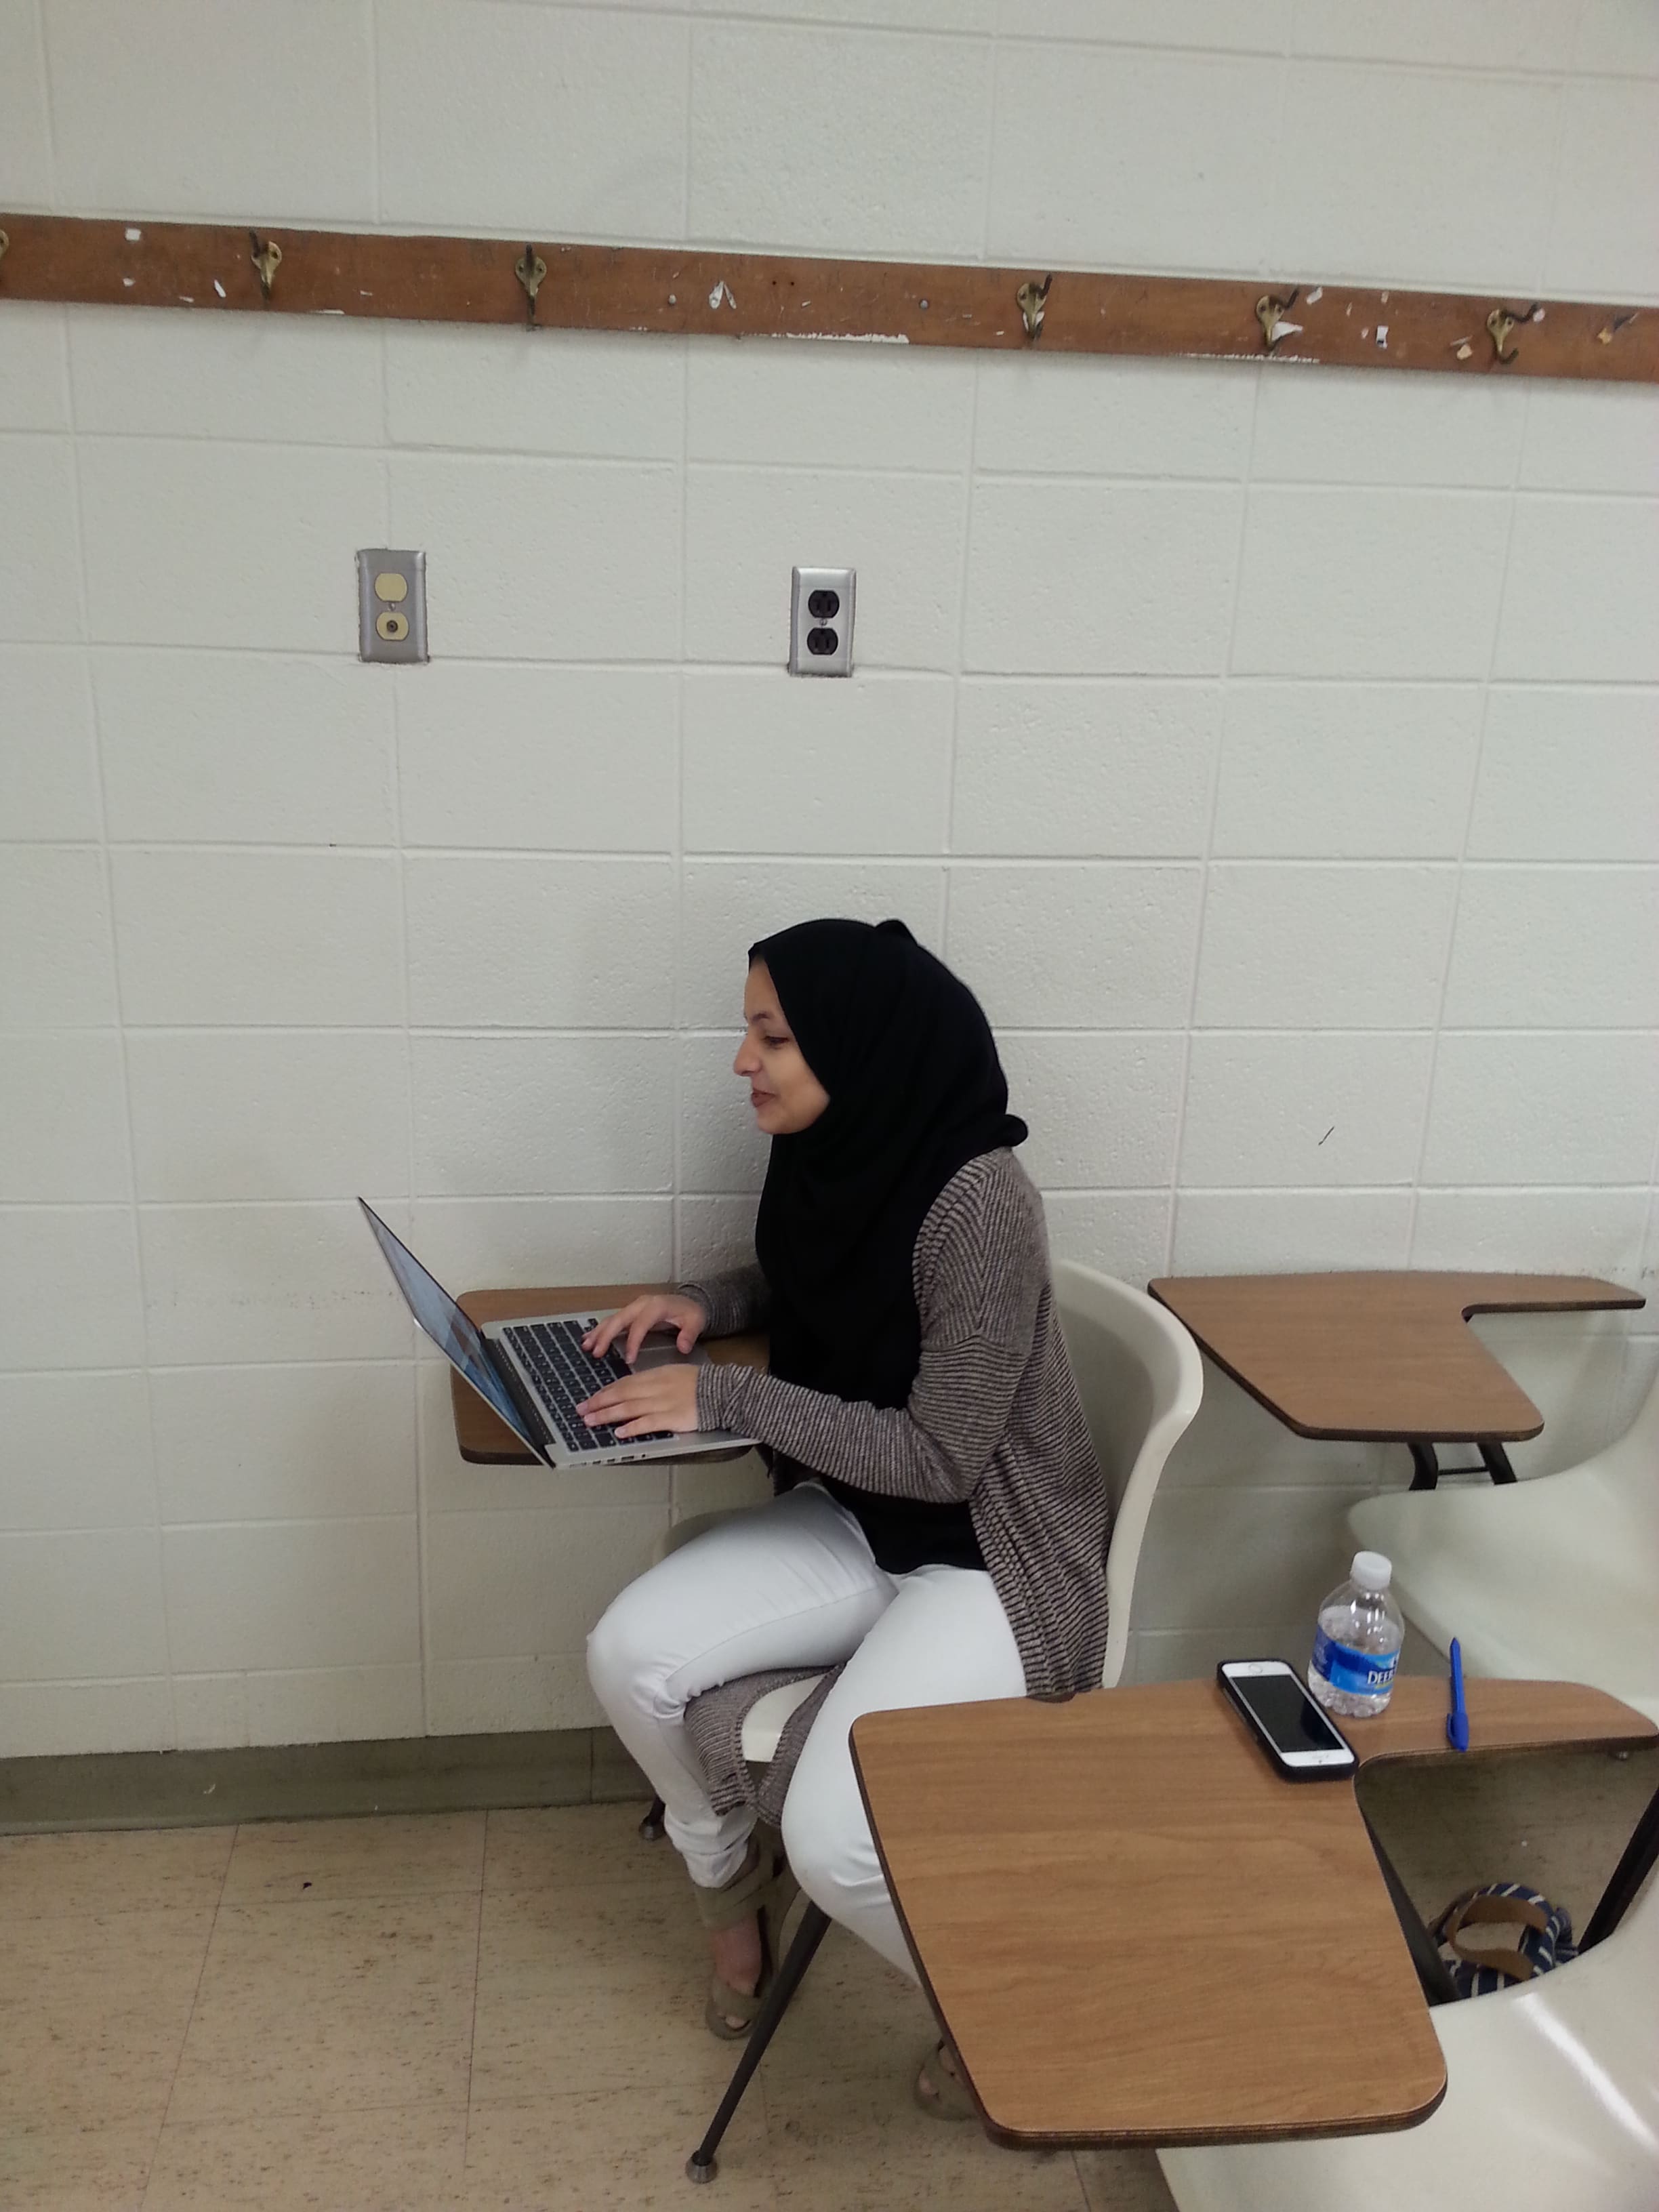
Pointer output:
x,y
566,1375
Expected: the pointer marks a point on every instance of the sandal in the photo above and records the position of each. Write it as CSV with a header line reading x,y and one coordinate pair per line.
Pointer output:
x,y
764,1887
949,2100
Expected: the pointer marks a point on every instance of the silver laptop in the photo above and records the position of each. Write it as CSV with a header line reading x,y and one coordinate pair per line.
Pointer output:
x,y
534,1373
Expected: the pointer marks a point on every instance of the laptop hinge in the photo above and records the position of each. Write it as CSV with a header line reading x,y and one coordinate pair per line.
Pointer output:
x,y
529,1411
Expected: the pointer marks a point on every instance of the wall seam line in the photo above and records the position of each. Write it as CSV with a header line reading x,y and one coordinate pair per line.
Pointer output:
x,y
1426,1131
1212,812
133,1207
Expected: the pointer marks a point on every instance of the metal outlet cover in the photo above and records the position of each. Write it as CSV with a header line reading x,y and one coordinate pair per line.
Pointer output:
x,y
391,604
821,622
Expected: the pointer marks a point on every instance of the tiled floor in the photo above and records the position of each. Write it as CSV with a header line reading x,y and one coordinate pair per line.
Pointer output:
x,y
474,2011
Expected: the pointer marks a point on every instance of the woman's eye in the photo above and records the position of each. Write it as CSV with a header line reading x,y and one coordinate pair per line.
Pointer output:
x,y
775,1042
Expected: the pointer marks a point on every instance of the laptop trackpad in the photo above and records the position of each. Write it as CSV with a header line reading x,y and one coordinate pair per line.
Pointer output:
x,y
659,1352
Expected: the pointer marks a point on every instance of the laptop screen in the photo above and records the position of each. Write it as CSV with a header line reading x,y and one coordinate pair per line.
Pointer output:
x,y
455,1336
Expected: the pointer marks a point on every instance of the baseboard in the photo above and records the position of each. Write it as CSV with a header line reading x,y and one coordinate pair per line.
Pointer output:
x,y
315,1780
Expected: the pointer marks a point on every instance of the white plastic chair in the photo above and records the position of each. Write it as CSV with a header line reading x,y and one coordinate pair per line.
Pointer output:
x,y
1555,1578
1141,1377
1552,2105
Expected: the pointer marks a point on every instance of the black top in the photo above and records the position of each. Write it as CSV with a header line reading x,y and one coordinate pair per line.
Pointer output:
x,y
902,1532
916,1090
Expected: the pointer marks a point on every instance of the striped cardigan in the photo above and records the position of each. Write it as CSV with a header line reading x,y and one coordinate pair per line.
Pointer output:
x,y
994,1416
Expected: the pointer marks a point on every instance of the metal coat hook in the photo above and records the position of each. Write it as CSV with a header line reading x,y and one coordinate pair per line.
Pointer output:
x,y
266,258
1268,312
4,242
530,268
1499,325
1033,303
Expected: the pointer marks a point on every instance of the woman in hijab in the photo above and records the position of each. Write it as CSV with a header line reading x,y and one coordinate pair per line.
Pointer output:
x,y
939,1524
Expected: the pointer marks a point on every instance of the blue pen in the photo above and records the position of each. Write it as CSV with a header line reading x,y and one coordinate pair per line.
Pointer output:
x,y
1458,1720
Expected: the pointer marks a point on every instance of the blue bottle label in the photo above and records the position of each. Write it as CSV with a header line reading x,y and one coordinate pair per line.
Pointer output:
x,y
1360,1673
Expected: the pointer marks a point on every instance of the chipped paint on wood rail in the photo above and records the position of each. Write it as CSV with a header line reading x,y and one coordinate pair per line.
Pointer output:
x,y
679,290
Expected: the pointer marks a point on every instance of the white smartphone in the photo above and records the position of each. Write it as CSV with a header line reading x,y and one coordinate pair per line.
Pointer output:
x,y
1287,1720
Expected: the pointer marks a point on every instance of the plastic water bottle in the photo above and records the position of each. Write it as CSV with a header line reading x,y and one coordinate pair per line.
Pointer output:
x,y
1357,1643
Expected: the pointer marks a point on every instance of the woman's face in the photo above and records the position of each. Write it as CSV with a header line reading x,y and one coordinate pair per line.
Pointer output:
x,y
786,1095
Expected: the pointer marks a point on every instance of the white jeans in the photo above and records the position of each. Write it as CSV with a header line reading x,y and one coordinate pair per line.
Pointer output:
x,y
794,1585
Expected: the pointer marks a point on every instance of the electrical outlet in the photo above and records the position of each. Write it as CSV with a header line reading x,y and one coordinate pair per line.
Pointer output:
x,y
391,604
821,622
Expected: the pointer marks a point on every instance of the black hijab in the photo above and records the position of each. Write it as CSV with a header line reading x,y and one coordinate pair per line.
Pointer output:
x,y
916,1090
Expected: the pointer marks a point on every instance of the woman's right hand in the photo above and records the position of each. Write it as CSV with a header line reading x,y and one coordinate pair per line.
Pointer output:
x,y
658,1309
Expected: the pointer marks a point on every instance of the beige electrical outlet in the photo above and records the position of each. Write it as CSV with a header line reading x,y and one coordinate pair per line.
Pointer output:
x,y
391,604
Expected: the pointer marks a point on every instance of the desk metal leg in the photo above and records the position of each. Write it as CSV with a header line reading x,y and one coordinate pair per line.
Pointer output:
x,y
1496,1459
1427,1469
1634,1866
1433,1971
701,2165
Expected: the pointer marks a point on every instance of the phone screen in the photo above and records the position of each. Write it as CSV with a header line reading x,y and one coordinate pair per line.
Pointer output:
x,y
1290,1719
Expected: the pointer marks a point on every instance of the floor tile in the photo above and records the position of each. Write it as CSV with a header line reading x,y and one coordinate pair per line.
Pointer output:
x,y
588,2040
399,1855
334,2006
326,2060
93,2012
397,2159
75,2169
1123,2181
137,1871
851,2147
592,1987
853,2016
623,2151
551,1849
598,1934
1556,1821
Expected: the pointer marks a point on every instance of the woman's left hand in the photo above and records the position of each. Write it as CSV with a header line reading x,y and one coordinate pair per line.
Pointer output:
x,y
641,1405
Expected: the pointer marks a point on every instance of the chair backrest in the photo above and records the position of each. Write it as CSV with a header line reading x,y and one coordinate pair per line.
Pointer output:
x,y
1141,1377
1633,1460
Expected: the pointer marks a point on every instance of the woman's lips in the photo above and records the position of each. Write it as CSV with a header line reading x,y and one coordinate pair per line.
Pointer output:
x,y
758,1098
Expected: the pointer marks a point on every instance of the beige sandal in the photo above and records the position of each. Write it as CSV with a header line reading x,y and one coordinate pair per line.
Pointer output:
x,y
762,1886
949,2100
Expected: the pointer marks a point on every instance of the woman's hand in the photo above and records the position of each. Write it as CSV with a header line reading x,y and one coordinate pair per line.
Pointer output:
x,y
659,1310
639,1405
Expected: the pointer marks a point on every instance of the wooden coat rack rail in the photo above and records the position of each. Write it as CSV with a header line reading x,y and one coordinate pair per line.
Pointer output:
x,y
681,289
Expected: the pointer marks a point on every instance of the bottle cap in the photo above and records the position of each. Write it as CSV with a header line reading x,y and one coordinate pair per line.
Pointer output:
x,y
1371,1571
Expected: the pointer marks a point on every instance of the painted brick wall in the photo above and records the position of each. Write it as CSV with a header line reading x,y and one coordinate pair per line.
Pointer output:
x,y
1274,750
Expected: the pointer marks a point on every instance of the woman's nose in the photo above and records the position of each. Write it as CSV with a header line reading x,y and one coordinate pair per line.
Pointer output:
x,y
748,1059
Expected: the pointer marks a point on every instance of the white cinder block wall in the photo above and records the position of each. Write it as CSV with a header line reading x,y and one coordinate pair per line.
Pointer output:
x,y
1273,749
